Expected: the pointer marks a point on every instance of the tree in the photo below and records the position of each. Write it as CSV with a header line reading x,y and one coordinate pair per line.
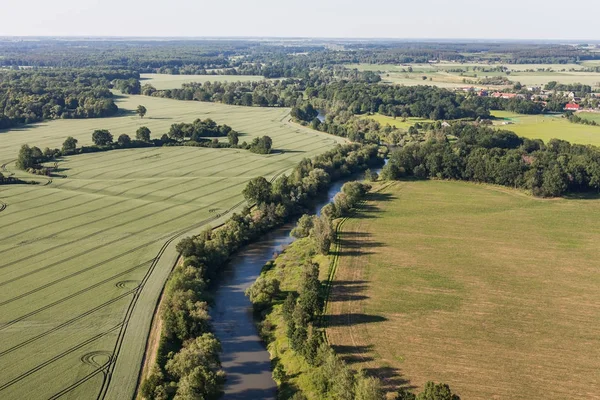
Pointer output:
x,y
69,145
263,291
25,159
124,140
233,138
440,391
367,388
141,111
202,351
303,227
261,145
258,190
143,134
102,137
323,234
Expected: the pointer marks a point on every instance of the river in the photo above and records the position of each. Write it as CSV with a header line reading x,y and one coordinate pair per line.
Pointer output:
x,y
244,357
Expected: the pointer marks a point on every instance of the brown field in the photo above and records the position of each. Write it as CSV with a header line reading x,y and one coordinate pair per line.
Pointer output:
x,y
485,288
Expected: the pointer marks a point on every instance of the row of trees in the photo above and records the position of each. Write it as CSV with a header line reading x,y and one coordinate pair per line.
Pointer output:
x,y
184,312
481,154
576,119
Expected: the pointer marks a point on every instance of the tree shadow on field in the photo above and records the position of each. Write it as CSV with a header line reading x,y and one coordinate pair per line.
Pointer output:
x,y
123,112
355,244
378,196
583,196
354,354
283,151
348,291
352,319
391,377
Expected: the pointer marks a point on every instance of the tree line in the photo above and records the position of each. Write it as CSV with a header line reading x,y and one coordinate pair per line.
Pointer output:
x,y
32,158
482,154
184,313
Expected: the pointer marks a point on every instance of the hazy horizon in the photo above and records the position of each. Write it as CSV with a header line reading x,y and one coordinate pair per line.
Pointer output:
x,y
309,19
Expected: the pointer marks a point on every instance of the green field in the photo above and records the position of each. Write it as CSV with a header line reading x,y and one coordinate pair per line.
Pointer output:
x,y
398,121
548,127
164,81
84,257
485,288
590,116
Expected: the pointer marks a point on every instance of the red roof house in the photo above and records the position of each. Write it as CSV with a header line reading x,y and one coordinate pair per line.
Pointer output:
x,y
572,107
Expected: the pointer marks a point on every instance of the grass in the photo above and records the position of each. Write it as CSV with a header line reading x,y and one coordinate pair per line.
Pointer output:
x,y
288,269
76,254
548,127
590,116
485,288
398,122
164,81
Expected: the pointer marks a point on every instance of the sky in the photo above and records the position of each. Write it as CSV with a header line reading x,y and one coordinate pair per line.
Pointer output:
x,y
452,19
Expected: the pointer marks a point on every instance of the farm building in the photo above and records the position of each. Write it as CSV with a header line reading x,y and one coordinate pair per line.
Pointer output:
x,y
572,107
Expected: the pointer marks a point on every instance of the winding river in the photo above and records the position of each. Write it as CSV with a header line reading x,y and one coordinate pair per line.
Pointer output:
x,y
244,357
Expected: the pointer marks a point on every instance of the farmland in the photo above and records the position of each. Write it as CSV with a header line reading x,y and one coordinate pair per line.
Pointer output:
x,y
548,127
84,257
165,81
441,75
485,288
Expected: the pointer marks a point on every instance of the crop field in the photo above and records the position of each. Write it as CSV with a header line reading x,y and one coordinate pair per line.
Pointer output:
x,y
84,256
484,288
548,127
440,75
164,81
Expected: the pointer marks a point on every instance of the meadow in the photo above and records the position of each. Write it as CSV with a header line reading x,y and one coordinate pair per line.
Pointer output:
x,y
85,255
485,288
398,122
165,81
548,126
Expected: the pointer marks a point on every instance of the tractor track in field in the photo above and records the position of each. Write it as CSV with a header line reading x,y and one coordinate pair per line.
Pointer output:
x,y
62,279
3,205
69,297
58,357
66,323
106,368
115,215
125,223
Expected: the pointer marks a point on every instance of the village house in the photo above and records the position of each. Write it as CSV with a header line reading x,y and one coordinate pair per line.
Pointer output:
x,y
572,107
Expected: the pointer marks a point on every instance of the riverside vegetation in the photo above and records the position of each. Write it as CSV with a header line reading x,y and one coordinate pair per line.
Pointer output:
x,y
185,317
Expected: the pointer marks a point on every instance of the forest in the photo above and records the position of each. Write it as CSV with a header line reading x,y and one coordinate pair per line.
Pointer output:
x,y
482,154
28,96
